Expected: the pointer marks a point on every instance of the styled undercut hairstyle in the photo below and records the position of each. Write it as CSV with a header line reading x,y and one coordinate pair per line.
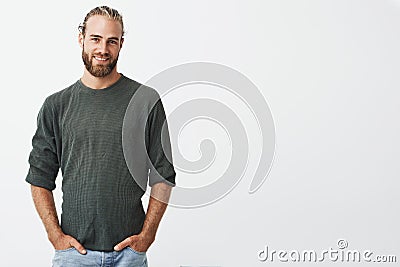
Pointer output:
x,y
105,11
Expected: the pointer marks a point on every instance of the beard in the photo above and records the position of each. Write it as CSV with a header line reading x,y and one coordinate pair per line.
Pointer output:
x,y
98,70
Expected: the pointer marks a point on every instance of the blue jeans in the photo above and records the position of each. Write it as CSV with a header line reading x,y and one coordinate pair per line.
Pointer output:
x,y
124,258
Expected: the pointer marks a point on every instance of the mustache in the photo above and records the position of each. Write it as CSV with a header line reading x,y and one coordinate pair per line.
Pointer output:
x,y
102,55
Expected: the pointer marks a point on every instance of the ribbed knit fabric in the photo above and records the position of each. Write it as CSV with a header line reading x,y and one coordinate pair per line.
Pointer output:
x,y
79,130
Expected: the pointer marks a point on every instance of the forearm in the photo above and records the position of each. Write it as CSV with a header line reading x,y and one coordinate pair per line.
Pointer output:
x,y
158,203
44,203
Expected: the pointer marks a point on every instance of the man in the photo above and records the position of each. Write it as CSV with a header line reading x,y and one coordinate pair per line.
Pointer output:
x,y
80,132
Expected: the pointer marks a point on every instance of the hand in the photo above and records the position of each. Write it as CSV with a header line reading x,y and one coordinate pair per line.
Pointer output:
x,y
63,241
139,243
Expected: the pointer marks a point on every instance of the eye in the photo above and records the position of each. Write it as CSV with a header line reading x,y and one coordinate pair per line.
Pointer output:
x,y
94,39
113,42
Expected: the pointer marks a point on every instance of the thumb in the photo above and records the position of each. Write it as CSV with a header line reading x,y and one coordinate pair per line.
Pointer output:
x,y
77,245
123,244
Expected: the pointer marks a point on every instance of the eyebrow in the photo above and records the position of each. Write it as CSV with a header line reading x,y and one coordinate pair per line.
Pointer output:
x,y
99,36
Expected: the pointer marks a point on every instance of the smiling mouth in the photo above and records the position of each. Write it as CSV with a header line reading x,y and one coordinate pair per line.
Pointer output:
x,y
101,58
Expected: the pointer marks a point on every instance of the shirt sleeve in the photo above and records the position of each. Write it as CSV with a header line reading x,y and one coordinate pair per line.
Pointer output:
x,y
43,160
159,147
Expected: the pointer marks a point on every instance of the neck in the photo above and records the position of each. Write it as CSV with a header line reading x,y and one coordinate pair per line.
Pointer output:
x,y
99,82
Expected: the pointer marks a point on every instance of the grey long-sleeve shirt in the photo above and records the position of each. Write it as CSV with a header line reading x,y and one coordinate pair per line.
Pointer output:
x,y
79,130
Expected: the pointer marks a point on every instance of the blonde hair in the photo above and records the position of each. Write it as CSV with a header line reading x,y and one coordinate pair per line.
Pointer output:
x,y
106,11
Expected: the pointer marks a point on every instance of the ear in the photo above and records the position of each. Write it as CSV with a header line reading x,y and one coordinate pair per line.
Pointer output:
x,y
80,40
121,42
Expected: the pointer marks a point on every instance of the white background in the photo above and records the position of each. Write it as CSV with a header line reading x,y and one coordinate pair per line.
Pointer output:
x,y
329,71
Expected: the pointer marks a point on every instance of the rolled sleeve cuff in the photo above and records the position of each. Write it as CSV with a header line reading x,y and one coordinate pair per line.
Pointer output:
x,y
169,180
40,181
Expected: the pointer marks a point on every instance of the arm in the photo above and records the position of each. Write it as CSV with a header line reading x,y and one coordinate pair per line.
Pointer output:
x,y
159,197
44,203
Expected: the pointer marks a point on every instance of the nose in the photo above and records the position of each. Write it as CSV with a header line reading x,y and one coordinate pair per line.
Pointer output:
x,y
102,47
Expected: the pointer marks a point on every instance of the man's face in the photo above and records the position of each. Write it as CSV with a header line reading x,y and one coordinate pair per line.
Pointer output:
x,y
101,45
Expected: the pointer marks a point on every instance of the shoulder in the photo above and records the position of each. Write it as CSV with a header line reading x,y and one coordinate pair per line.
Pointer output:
x,y
145,90
60,94
57,99
143,98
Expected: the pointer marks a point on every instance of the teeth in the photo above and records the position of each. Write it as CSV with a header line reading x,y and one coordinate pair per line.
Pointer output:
x,y
101,59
